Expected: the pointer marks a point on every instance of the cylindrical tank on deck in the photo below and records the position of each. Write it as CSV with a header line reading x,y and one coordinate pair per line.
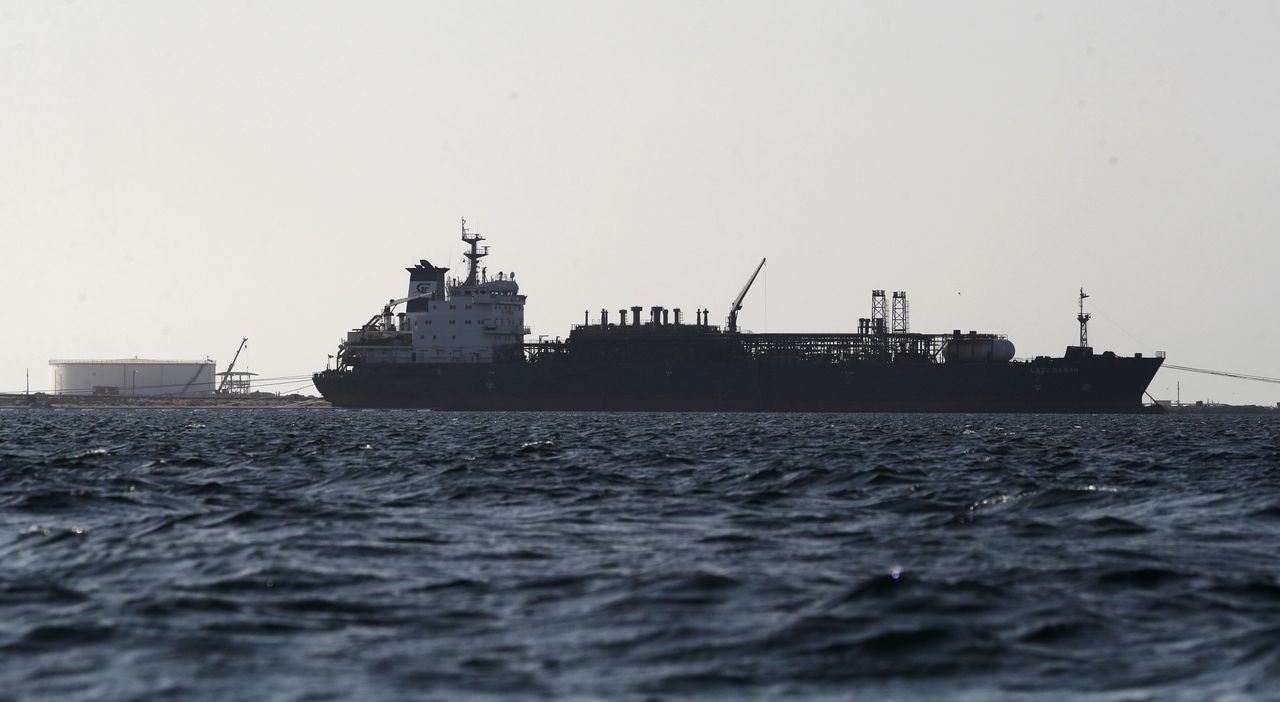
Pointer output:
x,y
962,349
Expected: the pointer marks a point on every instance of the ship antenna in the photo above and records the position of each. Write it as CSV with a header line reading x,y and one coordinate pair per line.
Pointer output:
x,y
1083,318
474,255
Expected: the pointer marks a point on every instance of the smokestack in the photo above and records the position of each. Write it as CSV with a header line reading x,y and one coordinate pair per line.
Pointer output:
x,y
622,318
635,315
426,283
677,316
604,319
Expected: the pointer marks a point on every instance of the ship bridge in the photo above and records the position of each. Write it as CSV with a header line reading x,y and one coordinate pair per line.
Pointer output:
x,y
476,320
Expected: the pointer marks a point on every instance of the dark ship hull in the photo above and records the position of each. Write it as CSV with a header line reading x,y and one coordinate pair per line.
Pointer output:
x,y
1103,383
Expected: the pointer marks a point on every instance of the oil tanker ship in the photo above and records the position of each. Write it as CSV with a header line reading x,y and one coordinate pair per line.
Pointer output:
x,y
460,345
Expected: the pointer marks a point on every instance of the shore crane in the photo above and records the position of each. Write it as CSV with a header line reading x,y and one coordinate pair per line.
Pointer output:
x,y
226,376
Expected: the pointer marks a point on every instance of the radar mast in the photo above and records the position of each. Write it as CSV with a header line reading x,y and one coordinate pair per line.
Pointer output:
x,y
474,255
1083,318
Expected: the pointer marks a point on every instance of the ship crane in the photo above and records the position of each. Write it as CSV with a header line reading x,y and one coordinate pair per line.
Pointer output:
x,y
737,304
385,315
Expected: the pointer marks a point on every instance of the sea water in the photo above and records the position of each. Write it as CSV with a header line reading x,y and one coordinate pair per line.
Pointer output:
x,y
391,555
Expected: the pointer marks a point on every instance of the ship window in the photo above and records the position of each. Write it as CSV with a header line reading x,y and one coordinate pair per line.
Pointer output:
x,y
453,307
468,321
451,321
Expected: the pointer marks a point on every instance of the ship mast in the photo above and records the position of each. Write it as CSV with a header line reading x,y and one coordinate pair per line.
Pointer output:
x,y
1083,318
474,255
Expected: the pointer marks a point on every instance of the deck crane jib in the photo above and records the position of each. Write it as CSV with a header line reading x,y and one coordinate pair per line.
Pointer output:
x,y
384,321
737,303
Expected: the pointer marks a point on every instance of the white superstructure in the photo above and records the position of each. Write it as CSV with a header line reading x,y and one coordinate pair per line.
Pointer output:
x,y
445,321
132,376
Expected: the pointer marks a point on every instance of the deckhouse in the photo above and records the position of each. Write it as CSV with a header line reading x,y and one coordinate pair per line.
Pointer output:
x,y
476,320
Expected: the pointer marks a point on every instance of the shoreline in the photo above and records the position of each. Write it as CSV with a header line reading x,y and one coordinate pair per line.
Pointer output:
x,y
42,401
45,401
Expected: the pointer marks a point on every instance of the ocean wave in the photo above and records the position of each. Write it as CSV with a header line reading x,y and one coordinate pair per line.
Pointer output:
x,y
392,555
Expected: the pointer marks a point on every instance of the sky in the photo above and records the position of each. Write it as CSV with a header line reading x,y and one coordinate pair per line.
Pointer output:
x,y
175,176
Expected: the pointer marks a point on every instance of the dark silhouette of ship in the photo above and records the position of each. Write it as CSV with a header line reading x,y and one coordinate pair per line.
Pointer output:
x,y
460,345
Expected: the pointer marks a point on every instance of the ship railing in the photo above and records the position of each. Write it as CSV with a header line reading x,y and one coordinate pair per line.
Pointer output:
x,y
843,348
380,342
544,349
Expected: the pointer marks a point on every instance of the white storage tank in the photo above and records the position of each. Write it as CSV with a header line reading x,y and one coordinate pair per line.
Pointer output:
x,y
132,376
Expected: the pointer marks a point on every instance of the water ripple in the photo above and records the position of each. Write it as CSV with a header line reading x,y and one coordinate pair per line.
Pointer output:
x,y
206,554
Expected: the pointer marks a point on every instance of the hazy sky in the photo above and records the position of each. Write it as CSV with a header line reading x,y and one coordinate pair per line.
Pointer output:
x,y
177,175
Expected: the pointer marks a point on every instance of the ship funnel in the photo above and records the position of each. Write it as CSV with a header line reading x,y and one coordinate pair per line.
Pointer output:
x,y
426,283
